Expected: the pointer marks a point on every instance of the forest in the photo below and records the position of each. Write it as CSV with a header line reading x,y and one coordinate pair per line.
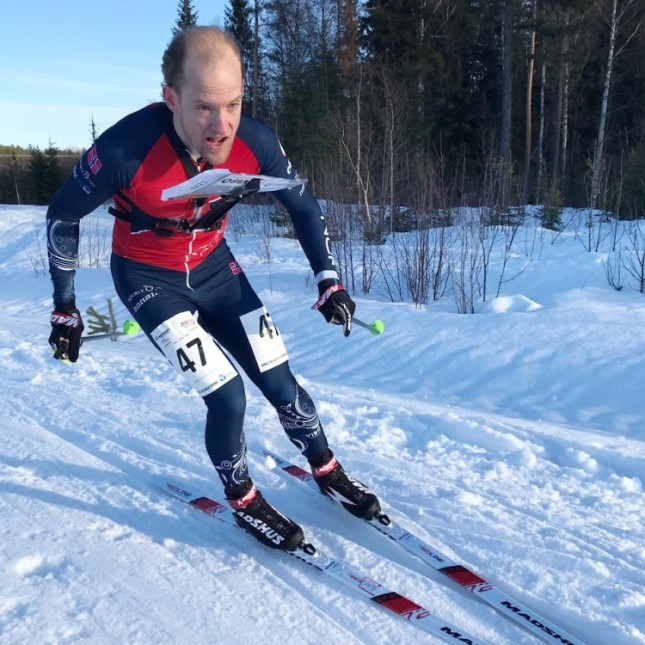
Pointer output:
x,y
407,109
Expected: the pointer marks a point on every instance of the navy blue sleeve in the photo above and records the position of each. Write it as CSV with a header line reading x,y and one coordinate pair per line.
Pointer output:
x,y
304,211
109,165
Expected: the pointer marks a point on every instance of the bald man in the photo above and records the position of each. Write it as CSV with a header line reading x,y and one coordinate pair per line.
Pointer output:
x,y
175,273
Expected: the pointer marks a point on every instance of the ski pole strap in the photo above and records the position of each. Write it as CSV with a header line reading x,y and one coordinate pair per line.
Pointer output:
x,y
163,226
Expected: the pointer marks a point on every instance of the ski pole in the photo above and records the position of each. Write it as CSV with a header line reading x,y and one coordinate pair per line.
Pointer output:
x,y
375,328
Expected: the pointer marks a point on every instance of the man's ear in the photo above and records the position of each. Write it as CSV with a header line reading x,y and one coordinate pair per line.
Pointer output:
x,y
170,97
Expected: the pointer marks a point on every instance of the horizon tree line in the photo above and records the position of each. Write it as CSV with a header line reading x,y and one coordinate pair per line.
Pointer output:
x,y
426,104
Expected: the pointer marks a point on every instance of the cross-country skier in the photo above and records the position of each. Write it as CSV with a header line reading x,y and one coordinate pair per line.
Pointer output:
x,y
176,275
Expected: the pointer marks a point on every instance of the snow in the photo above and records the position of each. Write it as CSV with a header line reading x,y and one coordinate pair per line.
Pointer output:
x,y
512,440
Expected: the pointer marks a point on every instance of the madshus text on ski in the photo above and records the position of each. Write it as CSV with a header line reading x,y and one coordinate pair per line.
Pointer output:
x,y
468,579
279,532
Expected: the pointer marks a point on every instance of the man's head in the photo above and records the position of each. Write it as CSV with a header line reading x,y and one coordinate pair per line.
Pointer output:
x,y
203,86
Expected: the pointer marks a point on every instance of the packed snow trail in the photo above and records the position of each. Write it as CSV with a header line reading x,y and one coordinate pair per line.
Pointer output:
x,y
512,439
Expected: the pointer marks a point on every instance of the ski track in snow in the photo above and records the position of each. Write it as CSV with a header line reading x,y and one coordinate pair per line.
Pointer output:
x,y
511,441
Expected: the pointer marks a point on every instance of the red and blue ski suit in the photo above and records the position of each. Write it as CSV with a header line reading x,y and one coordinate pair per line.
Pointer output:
x,y
164,272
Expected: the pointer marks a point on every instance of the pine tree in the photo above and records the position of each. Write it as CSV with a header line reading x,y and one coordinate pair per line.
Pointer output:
x,y
93,131
347,40
12,176
45,173
427,48
237,20
303,72
54,174
15,171
37,169
186,16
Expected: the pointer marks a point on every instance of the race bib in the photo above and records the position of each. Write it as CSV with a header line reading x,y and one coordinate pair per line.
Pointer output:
x,y
265,339
194,353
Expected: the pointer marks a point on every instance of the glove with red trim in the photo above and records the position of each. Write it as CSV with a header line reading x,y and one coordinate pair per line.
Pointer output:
x,y
335,305
67,328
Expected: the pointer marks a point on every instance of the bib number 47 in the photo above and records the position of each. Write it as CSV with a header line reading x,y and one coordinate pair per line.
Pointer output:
x,y
185,362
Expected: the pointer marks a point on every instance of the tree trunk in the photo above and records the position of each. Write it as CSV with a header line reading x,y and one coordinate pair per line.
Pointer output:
x,y
528,134
256,57
602,124
540,191
557,129
507,82
565,122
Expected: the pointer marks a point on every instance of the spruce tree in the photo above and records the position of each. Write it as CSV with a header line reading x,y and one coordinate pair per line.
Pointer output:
x,y
15,172
54,173
186,17
93,130
13,189
237,20
45,173
37,169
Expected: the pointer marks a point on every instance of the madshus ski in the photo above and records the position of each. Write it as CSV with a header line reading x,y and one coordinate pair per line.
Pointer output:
x,y
502,602
339,571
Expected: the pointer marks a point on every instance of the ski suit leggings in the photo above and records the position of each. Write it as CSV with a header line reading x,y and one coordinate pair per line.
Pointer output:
x,y
191,318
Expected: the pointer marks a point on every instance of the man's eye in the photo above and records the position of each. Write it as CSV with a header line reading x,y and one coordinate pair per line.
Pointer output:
x,y
203,108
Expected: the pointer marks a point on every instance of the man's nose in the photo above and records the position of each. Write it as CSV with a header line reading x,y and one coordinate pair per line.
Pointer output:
x,y
218,121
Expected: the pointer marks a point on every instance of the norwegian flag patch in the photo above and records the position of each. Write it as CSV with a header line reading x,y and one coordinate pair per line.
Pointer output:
x,y
93,160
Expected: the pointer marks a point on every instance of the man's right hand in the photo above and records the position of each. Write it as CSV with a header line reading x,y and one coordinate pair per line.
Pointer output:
x,y
335,305
67,328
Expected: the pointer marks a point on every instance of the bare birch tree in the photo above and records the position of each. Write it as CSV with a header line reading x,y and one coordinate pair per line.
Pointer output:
x,y
619,10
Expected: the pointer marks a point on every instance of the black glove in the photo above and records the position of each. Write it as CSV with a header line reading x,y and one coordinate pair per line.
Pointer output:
x,y
67,328
336,305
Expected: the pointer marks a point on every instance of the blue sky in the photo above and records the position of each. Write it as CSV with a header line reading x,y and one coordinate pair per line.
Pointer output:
x,y
62,62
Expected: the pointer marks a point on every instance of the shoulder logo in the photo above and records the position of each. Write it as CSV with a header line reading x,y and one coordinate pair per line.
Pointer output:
x,y
93,160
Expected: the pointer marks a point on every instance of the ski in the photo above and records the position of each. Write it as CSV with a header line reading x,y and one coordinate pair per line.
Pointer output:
x,y
457,572
339,571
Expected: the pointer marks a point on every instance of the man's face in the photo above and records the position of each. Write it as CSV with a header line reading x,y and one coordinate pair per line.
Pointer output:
x,y
207,107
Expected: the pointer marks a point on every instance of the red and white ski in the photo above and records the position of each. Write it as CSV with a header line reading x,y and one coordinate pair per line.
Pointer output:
x,y
475,583
342,572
